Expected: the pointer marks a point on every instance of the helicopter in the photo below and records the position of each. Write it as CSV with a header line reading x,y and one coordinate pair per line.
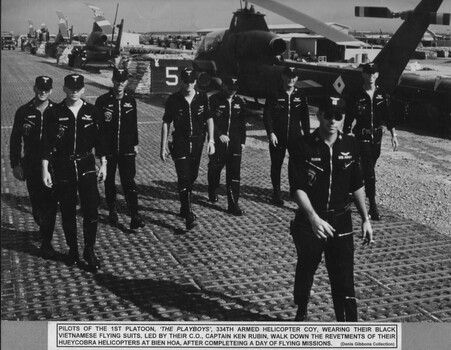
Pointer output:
x,y
251,53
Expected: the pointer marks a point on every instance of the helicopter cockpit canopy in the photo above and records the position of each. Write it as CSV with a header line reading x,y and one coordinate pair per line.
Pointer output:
x,y
210,43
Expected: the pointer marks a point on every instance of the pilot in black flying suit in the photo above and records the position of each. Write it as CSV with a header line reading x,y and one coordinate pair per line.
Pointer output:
x,y
27,129
286,116
324,168
230,137
74,130
369,108
189,111
120,123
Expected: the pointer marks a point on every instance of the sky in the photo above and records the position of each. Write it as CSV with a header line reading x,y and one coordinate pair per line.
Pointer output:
x,y
189,15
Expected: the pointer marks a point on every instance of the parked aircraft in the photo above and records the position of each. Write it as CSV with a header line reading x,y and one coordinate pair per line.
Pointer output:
x,y
63,28
100,45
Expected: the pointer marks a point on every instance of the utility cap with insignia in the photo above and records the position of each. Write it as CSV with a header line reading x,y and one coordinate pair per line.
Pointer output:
x,y
290,72
188,75
120,74
334,107
230,82
43,83
370,68
335,103
74,81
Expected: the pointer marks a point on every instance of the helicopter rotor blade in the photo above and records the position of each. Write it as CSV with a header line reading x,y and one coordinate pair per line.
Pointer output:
x,y
309,22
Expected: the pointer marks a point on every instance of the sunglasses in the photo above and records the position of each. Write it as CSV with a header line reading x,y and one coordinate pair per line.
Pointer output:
x,y
338,116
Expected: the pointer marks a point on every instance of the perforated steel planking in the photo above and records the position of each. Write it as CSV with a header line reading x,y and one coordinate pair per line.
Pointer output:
x,y
228,268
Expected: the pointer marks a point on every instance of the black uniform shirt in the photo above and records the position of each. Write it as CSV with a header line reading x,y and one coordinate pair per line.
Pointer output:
x,y
28,127
368,114
69,135
287,117
229,117
188,122
326,175
119,121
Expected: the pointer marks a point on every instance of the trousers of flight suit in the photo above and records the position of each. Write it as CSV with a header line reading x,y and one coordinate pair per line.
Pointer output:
x,y
43,201
228,155
369,154
277,155
126,163
186,154
339,255
82,179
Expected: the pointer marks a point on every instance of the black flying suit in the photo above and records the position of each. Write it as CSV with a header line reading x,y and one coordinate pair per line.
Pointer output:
x,y
70,137
369,115
287,118
28,126
228,119
326,176
189,121
120,122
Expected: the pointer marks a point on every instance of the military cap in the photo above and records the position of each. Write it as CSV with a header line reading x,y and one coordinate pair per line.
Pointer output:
x,y
188,75
336,103
43,83
370,68
290,72
232,83
334,107
74,81
120,74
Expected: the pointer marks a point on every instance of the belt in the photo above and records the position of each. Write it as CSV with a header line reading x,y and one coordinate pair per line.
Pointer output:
x,y
325,214
333,212
371,131
79,156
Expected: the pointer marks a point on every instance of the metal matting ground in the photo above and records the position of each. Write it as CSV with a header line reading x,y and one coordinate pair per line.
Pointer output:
x,y
227,268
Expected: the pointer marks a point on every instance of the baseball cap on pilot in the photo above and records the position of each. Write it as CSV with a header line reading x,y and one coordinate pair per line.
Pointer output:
x,y
120,74
290,72
188,75
74,81
230,82
43,83
370,68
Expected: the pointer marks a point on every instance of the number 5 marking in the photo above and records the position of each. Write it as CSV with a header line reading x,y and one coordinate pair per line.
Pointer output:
x,y
171,78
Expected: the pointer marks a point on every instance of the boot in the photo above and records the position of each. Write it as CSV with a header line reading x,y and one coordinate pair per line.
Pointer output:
x,y
370,188
232,199
91,259
47,251
277,196
212,196
190,217
184,203
213,181
191,221
301,314
374,211
136,222
350,305
136,219
113,217
72,257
